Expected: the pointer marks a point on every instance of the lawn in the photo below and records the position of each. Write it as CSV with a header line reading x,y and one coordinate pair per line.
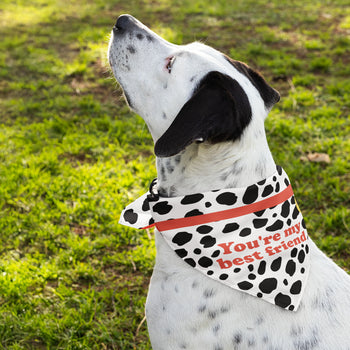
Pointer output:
x,y
72,154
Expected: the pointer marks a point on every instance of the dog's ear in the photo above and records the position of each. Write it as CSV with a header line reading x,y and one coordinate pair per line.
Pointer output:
x,y
267,93
218,111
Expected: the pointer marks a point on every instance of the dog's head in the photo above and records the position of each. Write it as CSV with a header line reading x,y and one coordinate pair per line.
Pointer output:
x,y
185,93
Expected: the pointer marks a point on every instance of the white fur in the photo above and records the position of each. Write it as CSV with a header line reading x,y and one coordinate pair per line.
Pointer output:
x,y
185,309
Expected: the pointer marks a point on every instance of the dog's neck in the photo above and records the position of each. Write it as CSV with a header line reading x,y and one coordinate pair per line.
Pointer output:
x,y
204,167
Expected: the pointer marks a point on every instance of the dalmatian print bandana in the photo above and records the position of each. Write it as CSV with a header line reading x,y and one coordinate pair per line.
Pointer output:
x,y
251,239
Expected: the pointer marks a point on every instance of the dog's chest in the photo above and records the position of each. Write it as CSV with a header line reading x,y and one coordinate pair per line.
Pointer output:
x,y
191,311
187,310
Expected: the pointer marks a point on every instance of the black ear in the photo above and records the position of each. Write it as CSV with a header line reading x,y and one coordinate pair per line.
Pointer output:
x,y
218,111
267,93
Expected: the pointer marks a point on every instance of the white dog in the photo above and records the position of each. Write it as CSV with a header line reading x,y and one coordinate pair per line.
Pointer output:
x,y
268,286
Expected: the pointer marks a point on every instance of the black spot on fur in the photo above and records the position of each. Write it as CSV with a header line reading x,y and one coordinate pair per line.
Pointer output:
x,y
178,159
251,343
202,308
194,284
169,166
162,173
131,49
182,238
208,293
192,198
265,339
237,339
139,36
212,315
308,344
224,309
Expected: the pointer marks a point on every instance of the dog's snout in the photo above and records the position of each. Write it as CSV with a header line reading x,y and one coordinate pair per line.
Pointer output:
x,y
124,23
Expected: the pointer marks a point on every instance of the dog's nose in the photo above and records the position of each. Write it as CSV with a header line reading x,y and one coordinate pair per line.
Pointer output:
x,y
125,23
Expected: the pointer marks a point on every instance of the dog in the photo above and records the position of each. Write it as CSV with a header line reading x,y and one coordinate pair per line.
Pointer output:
x,y
206,115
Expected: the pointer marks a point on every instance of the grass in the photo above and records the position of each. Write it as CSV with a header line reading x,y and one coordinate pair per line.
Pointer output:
x,y
72,155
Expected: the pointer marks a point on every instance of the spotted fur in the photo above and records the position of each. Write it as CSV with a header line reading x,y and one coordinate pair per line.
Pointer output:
x,y
222,146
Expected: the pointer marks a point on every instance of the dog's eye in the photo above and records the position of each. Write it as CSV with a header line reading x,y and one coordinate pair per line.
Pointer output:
x,y
170,62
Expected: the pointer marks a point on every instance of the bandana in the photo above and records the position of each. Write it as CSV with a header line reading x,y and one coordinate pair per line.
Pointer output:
x,y
251,239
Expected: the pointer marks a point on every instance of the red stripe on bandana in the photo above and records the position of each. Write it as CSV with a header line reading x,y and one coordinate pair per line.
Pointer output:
x,y
224,214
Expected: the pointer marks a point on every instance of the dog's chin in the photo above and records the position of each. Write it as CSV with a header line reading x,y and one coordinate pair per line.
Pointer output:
x,y
129,101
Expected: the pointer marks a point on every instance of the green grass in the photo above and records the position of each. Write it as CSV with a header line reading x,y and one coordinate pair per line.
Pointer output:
x,y
72,155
